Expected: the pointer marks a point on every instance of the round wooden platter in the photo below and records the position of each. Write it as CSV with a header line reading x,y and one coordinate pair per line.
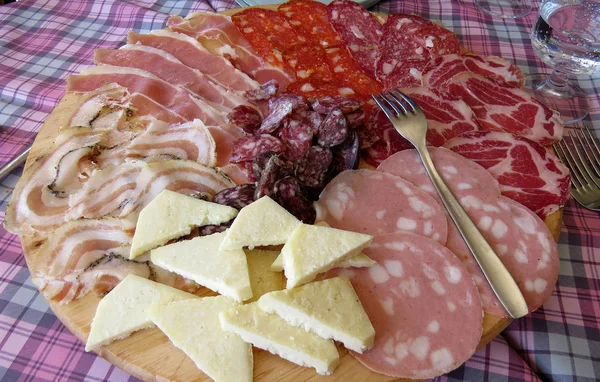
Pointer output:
x,y
149,355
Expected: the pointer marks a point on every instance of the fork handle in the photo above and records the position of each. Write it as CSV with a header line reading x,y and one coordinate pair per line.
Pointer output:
x,y
501,281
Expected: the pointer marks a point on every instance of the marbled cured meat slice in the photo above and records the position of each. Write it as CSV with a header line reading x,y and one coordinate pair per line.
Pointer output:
x,y
439,71
389,142
308,61
359,30
446,119
512,110
193,54
309,19
139,81
171,70
422,303
74,249
374,202
268,32
221,37
461,175
527,172
404,74
495,68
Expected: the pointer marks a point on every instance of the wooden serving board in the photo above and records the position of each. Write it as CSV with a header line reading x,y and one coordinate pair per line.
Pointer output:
x,y
149,355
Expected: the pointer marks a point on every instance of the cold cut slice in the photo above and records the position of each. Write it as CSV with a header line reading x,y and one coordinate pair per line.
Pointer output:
x,y
309,19
422,303
374,202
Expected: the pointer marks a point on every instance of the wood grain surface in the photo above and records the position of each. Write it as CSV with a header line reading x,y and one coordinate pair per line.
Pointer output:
x,y
149,355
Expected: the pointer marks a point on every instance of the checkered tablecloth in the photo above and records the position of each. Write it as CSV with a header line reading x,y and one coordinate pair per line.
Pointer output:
x,y
42,42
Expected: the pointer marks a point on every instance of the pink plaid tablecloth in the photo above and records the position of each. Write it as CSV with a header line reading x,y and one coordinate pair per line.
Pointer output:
x,y
42,42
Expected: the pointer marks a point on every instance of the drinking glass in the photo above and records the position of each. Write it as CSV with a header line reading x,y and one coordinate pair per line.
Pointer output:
x,y
566,37
508,9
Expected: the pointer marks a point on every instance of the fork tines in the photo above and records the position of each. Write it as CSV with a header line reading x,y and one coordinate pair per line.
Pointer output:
x,y
395,99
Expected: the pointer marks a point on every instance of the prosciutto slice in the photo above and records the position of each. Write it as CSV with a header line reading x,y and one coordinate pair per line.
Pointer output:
x,y
69,264
221,37
172,97
170,69
143,105
526,171
193,54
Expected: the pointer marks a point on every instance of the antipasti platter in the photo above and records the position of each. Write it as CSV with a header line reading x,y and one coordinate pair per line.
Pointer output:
x,y
240,155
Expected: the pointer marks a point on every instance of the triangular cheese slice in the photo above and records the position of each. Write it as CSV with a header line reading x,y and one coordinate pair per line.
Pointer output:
x,y
193,326
312,250
273,334
262,279
200,259
263,222
124,309
171,215
329,308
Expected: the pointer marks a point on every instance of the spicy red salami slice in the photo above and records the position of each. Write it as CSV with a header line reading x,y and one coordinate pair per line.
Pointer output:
x,y
315,88
346,70
309,19
374,202
308,61
422,303
359,30
268,32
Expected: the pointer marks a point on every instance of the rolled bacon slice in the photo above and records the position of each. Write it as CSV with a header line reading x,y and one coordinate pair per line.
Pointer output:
x,y
139,81
170,69
221,37
193,54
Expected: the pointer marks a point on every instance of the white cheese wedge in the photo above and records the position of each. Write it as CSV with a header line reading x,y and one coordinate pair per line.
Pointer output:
x,y
171,215
359,261
263,222
313,249
124,309
329,308
273,334
262,279
200,259
193,326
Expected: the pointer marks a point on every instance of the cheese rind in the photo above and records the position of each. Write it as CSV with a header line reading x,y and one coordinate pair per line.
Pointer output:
x,y
171,215
124,309
200,259
272,333
193,326
312,249
329,308
264,222
262,279
359,261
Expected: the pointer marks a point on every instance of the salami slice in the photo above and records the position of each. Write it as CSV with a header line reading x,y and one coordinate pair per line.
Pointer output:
x,y
245,117
374,202
298,137
259,164
308,61
312,169
308,117
309,19
326,104
290,195
268,32
345,155
247,148
359,30
401,74
346,70
422,303
334,129
313,88
263,92
210,229
236,197
461,175
275,170
279,108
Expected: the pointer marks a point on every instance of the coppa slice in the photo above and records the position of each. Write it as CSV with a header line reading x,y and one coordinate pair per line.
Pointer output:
x,y
125,309
329,308
171,215
527,172
201,260
312,249
263,222
193,326
373,202
273,334
422,303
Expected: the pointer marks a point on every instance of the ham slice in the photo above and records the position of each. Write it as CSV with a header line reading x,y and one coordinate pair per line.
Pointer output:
x,y
222,38
143,105
193,54
526,171
170,69
172,97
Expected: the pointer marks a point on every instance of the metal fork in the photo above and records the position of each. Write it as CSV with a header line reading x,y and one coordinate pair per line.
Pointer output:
x,y
583,160
408,119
